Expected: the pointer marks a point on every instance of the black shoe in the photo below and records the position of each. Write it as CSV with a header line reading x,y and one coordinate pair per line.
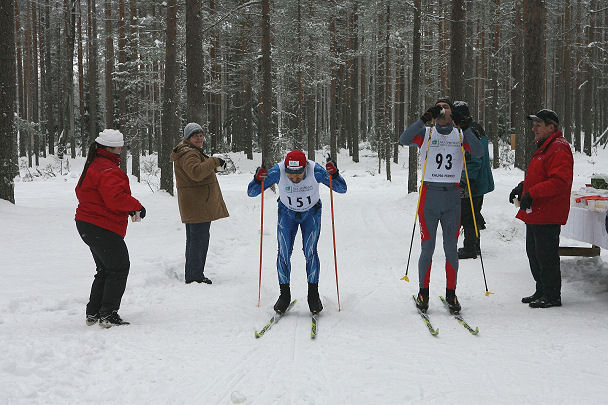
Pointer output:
x,y
467,254
202,280
314,301
544,302
112,319
533,297
422,300
92,319
284,299
452,300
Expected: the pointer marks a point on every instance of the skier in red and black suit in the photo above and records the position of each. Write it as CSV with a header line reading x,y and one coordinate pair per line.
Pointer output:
x,y
440,194
104,206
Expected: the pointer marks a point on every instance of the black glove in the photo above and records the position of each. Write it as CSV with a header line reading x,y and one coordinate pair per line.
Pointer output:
x,y
142,212
526,202
221,162
516,192
431,113
462,121
464,193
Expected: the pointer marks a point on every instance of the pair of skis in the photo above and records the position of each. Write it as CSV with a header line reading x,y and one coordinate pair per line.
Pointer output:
x,y
457,316
276,317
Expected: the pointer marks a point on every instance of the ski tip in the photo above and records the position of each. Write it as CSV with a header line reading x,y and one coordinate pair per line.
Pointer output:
x,y
476,331
488,293
257,335
405,278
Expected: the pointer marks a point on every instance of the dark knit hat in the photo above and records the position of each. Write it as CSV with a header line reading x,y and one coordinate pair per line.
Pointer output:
x,y
462,108
445,100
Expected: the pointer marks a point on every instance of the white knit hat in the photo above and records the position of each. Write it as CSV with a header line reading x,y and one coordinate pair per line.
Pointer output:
x,y
110,137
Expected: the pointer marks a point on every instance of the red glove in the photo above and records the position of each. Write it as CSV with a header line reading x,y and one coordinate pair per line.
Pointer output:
x,y
331,169
260,174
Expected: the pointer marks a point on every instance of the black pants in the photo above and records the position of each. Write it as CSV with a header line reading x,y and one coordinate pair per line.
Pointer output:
x,y
197,245
471,241
542,247
112,260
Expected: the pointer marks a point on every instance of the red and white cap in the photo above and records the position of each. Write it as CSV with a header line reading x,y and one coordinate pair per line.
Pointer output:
x,y
295,162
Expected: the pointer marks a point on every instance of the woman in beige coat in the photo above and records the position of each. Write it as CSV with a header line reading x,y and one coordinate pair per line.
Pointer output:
x,y
199,198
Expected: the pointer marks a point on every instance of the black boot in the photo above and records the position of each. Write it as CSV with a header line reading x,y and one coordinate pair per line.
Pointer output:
x,y
111,319
546,302
533,297
284,299
452,300
422,300
470,243
464,253
314,301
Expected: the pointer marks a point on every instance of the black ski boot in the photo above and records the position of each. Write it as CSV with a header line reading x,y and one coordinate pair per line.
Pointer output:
x,y
422,300
452,300
111,319
284,299
314,301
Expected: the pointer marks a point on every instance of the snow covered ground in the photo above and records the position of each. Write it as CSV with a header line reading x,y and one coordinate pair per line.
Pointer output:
x,y
194,344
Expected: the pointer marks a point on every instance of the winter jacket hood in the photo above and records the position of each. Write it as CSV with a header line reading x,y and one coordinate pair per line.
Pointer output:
x,y
198,192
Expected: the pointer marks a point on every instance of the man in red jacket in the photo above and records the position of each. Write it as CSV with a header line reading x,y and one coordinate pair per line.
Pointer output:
x,y
544,206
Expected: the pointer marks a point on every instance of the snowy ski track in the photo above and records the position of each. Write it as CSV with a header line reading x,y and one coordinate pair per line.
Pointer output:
x,y
194,344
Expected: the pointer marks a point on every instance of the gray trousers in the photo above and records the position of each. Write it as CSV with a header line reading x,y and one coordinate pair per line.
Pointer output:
x,y
439,203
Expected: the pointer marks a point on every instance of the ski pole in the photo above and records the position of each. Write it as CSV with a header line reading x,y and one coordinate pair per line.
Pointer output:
x,y
261,238
333,231
466,173
407,267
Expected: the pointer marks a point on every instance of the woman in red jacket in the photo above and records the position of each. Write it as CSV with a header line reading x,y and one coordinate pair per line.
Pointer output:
x,y
104,205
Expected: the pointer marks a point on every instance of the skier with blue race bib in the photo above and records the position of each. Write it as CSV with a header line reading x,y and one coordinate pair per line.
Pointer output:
x,y
299,206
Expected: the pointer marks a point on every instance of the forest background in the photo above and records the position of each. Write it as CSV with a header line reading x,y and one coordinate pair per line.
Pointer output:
x,y
272,75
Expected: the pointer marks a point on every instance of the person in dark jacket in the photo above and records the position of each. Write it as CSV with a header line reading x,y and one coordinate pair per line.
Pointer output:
x,y
481,182
544,204
104,206
199,198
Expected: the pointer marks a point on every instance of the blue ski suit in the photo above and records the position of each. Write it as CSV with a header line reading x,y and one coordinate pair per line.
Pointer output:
x,y
289,219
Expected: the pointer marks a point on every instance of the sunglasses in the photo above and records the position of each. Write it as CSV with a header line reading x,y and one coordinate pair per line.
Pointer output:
x,y
296,175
